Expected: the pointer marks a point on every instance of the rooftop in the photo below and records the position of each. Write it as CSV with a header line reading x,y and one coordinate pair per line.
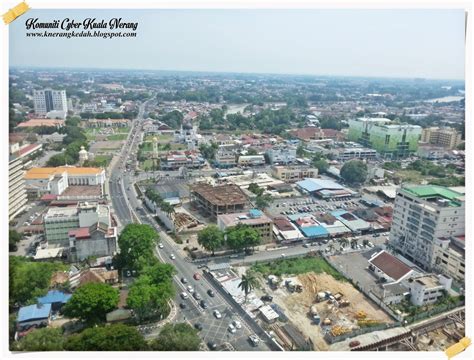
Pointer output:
x,y
47,172
243,218
54,296
390,265
221,195
41,122
430,281
430,191
34,312
312,185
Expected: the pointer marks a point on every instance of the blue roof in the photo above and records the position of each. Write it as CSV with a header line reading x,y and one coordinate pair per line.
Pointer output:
x,y
34,312
314,231
312,185
255,213
337,213
54,296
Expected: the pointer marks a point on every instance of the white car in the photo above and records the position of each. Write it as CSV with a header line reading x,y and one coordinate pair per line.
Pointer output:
x,y
231,329
190,289
237,324
172,257
217,314
184,296
160,245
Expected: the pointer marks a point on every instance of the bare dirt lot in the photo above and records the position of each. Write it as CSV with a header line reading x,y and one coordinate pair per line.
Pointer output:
x,y
297,306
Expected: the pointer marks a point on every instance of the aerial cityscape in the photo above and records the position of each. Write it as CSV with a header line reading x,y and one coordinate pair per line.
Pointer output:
x,y
170,210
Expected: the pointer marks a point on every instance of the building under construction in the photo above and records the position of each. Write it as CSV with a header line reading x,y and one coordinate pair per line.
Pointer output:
x,y
221,199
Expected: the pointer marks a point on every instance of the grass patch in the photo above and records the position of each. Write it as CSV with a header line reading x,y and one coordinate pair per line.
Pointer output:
x,y
298,266
104,160
122,130
147,165
161,138
117,137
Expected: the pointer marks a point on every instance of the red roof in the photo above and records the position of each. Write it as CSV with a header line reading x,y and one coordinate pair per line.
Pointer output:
x,y
81,233
28,148
283,224
390,265
49,197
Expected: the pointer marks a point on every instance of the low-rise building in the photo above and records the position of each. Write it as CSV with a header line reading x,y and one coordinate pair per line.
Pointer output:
x,y
450,257
50,180
428,289
285,231
33,315
323,188
390,268
293,174
251,160
282,154
356,153
255,219
226,156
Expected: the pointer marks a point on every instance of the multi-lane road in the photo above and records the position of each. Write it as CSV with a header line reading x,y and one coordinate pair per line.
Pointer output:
x,y
128,208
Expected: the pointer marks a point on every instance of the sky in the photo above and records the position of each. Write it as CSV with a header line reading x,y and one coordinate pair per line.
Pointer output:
x,y
373,43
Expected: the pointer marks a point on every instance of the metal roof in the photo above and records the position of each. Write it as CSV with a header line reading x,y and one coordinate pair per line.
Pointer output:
x,y
54,296
34,312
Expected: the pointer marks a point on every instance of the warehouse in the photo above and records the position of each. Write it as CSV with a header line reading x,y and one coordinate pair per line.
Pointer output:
x,y
324,189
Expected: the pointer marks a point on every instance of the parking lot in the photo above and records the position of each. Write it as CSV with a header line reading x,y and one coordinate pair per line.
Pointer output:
x,y
355,264
310,205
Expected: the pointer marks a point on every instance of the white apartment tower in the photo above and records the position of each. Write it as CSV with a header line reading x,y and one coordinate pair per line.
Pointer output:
x,y
48,100
421,215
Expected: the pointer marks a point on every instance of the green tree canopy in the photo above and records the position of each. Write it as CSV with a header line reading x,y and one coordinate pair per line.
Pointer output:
x,y
354,171
242,237
177,337
45,339
263,201
211,238
14,238
29,279
136,242
91,302
116,337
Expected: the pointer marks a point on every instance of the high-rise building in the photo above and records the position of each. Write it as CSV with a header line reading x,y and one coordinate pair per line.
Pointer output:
x,y
16,188
389,139
446,137
49,100
422,214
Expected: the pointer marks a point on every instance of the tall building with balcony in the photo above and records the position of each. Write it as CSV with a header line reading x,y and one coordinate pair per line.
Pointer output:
x,y
422,214
389,139
16,188
49,100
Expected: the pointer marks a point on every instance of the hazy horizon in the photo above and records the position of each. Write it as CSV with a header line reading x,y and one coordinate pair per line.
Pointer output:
x,y
391,44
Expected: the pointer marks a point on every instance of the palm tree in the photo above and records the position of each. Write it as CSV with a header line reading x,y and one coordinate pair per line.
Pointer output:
x,y
247,283
343,242
330,247
354,243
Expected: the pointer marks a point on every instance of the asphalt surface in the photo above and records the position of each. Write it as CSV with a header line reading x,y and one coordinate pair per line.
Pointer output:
x,y
128,209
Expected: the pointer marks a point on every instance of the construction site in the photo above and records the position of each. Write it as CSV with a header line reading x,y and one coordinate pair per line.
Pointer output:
x,y
320,307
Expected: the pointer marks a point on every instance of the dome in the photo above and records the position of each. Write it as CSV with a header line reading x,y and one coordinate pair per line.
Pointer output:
x,y
187,126
155,139
83,150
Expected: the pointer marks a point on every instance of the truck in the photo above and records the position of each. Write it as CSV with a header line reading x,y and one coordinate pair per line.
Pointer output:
x,y
313,312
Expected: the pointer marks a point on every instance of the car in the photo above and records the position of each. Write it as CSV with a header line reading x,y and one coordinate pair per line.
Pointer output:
x,y
172,257
197,276
197,296
203,304
266,298
217,314
201,266
237,324
183,280
198,326
282,255
211,293
254,339
231,328
306,245
354,343
182,305
184,296
129,273
212,345
190,289
160,245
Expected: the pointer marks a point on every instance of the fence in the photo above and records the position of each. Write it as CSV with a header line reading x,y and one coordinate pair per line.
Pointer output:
x,y
333,339
437,310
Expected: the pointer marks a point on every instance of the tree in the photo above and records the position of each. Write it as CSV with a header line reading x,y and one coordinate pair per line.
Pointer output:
x,y
160,272
118,337
242,237
14,238
147,300
254,188
354,171
263,201
45,339
177,337
136,243
28,279
320,162
211,238
91,302
252,151
248,283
